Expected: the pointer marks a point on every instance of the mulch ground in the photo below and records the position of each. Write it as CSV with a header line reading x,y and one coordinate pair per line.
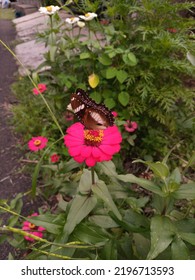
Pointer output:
x,y
12,180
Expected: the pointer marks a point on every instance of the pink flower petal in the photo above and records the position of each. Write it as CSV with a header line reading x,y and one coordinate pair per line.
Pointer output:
x,y
96,153
86,151
112,139
79,159
72,141
75,151
90,161
109,150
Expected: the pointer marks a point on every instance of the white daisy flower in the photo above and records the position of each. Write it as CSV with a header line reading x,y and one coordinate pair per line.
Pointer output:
x,y
49,10
88,16
80,24
72,20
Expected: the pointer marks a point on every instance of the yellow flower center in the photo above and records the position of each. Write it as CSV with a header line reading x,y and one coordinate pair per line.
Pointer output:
x,y
72,19
37,142
31,226
49,8
93,137
87,15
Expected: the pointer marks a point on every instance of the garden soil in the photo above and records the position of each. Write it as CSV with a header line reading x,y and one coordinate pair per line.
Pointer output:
x,y
12,180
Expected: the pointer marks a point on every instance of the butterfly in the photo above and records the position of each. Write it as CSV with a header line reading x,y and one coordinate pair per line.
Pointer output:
x,y
92,115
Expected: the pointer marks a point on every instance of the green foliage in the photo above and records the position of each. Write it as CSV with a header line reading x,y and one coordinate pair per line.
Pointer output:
x,y
103,220
140,53
137,52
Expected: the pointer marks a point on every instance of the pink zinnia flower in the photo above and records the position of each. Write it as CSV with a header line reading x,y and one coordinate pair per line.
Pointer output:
x,y
32,229
115,114
92,146
130,126
40,89
54,158
37,143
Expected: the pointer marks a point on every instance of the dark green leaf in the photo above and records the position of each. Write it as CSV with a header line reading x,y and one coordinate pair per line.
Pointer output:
x,y
111,72
85,183
103,221
108,168
101,190
121,76
81,206
91,234
185,191
110,103
179,250
189,237
105,59
123,98
162,234
146,184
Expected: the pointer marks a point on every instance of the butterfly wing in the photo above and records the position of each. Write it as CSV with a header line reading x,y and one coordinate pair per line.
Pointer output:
x,y
90,114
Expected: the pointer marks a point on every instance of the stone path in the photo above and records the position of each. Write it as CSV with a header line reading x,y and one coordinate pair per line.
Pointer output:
x,y
28,50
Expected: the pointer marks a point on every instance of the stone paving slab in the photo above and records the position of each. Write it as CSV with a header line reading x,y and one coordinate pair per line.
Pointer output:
x,y
28,26
30,51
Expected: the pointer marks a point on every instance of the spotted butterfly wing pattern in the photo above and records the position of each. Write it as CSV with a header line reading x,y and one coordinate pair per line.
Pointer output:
x,y
90,114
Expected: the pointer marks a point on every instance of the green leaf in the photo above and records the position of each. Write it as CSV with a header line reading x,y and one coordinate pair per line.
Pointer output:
x,y
91,234
111,72
36,173
191,58
81,206
105,59
162,234
123,98
110,103
121,76
50,222
85,55
160,169
85,183
146,184
103,221
189,237
129,59
132,58
52,52
175,176
142,245
109,251
108,168
101,190
96,96
185,191
179,250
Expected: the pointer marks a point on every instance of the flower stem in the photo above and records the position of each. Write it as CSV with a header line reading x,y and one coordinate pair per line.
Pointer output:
x,y
93,175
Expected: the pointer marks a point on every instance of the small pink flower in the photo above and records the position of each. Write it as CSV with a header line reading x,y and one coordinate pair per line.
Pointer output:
x,y
37,143
54,158
32,229
40,89
92,146
130,126
115,114
172,30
